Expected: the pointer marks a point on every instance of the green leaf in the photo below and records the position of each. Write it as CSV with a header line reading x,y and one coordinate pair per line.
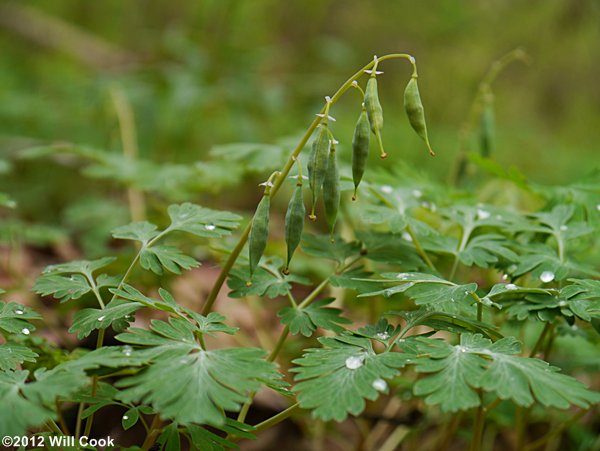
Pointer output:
x,y
63,288
270,283
390,248
129,293
12,355
454,370
142,231
478,363
130,418
253,157
306,320
88,320
157,258
202,221
336,379
211,323
486,250
169,439
205,440
176,384
13,318
79,266
26,405
434,293
321,246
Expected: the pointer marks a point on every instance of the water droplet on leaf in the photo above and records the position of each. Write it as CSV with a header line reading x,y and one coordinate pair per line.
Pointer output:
x,y
101,318
25,331
406,236
379,385
483,214
547,276
18,312
387,189
511,286
127,350
210,227
354,362
383,335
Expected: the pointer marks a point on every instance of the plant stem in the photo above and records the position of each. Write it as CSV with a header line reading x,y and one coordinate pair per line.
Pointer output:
x,y
90,419
212,296
155,428
540,339
129,143
276,419
275,352
478,426
54,427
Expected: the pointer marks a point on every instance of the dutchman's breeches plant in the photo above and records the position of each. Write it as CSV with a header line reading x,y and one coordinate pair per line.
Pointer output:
x,y
401,297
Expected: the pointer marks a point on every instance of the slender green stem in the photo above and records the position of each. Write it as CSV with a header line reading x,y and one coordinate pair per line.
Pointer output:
x,y
478,426
155,428
54,427
212,296
540,339
275,352
483,89
78,422
90,419
419,248
277,418
466,234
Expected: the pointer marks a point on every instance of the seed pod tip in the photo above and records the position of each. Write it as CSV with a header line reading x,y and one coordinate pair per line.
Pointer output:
x,y
383,156
286,271
249,283
312,217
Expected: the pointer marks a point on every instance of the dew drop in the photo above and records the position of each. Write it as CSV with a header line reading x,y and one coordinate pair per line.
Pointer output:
x,y
402,276
25,331
483,214
562,304
210,227
125,417
387,189
383,335
547,276
354,362
417,193
564,227
598,207
461,349
380,385
18,312
127,350
406,236
511,286
486,301
505,277
101,318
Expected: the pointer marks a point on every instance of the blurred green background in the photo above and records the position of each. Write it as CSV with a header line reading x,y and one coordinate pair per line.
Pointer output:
x,y
203,73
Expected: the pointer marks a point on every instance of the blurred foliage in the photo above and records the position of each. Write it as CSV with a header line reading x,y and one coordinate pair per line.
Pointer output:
x,y
206,74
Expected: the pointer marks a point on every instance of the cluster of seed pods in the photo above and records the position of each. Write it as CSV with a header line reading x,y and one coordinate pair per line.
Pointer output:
x,y
323,173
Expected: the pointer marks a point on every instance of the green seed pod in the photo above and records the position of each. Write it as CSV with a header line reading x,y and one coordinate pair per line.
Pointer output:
x,y
331,191
486,130
317,165
360,149
259,233
294,223
374,111
414,110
